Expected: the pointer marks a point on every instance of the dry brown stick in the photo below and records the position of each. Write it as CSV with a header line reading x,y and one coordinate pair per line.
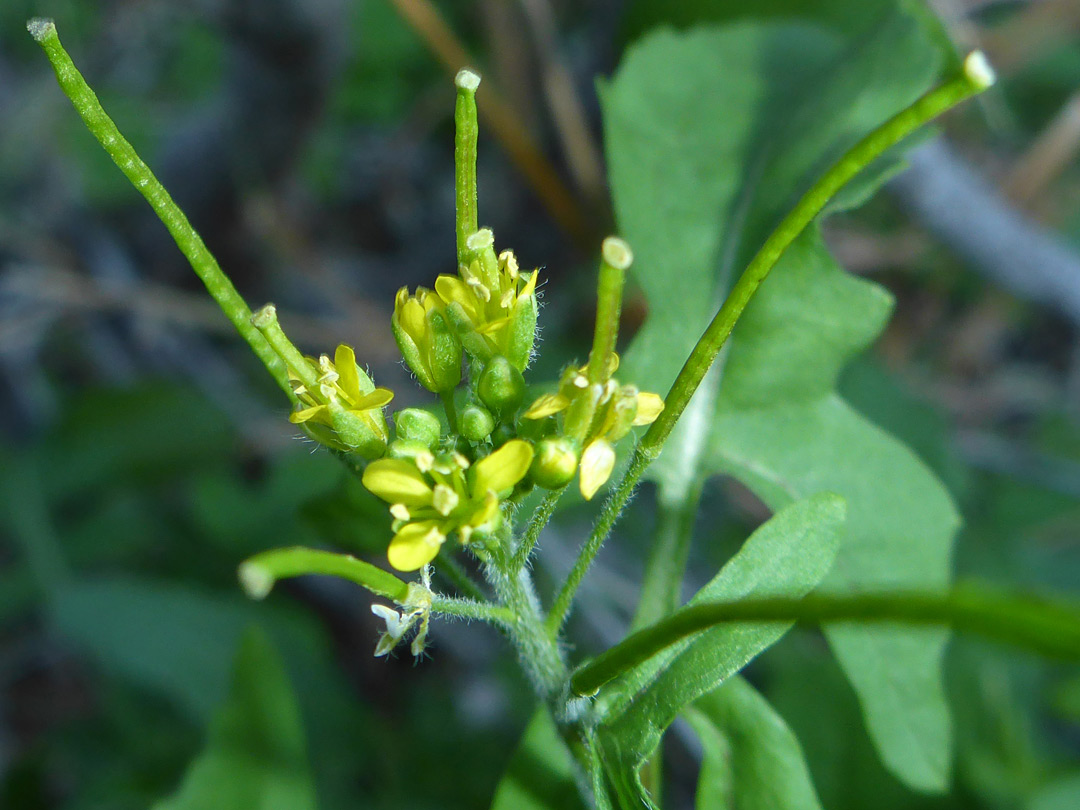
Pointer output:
x,y
568,112
429,24
1054,149
74,291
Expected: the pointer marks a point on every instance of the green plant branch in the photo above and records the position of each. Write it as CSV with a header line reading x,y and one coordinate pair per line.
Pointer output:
x,y
258,574
975,77
454,573
536,525
124,156
1032,623
470,609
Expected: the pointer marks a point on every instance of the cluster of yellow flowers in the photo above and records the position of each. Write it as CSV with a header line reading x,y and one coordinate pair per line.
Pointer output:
x,y
460,476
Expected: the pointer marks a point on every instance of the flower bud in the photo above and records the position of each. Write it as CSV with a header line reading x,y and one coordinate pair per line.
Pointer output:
x,y
416,424
501,386
426,340
555,463
476,423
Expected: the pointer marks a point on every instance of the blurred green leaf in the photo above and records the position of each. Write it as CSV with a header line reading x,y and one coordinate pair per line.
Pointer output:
x,y
1062,794
711,136
787,556
752,760
172,640
540,775
255,756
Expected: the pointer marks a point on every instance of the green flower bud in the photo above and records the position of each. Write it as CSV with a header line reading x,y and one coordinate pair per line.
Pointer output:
x,y
555,463
501,386
411,450
476,423
416,424
426,340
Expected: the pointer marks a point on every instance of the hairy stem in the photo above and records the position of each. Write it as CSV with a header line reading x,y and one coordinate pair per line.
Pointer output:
x,y
536,525
454,573
1028,622
975,78
470,609
204,264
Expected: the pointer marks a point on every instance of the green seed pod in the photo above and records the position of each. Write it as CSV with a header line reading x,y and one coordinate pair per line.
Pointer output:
x,y
416,424
476,423
501,386
555,463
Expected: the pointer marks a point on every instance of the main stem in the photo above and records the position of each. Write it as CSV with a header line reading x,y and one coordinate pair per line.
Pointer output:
x,y
202,261
540,656
975,78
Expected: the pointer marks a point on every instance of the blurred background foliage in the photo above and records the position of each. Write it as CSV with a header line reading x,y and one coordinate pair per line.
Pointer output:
x,y
143,454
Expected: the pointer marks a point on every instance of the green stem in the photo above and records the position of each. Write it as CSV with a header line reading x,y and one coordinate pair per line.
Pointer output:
x,y
540,655
466,132
124,156
609,515
469,609
259,573
660,588
812,203
447,398
614,262
975,78
1035,624
536,525
456,575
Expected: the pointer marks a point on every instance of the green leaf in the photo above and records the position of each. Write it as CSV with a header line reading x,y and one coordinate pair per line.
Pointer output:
x,y
541,772
787,556
255,756
1062,794
752,760
711,135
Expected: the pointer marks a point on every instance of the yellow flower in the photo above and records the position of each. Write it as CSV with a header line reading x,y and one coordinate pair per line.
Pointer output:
x,y
425,339
595,416
491,304
343,409
433,496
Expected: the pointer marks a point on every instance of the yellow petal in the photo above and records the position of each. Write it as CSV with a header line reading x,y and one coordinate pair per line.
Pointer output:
x,y
547,405
378,398
503,468
597,462
453,290
649,407
415,545
348,379
487,509
491,327
315,412
413,320
397,481
530,285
